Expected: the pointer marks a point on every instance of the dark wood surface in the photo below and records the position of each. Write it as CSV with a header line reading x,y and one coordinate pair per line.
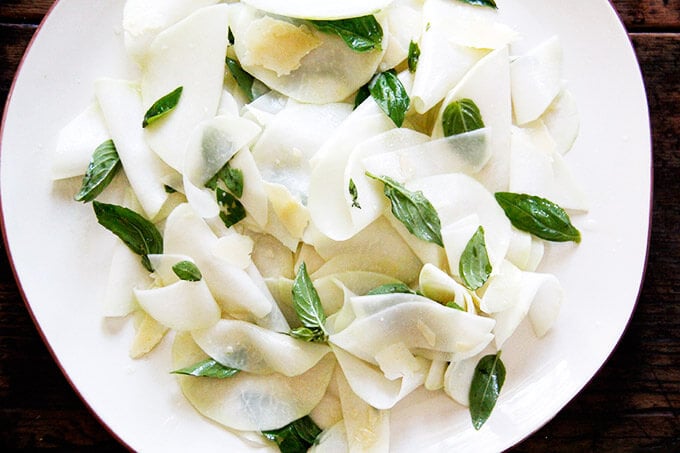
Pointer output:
x,y
632,403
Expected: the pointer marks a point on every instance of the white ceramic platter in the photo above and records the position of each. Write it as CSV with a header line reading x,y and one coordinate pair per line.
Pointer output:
x,y
61,255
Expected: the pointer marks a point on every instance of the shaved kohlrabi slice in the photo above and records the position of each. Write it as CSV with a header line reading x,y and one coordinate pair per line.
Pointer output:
x,y
437,285
404,18
562,121
126,273
315,9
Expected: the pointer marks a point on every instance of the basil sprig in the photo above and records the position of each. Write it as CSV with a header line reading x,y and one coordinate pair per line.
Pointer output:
x,y
391,288
487,382
489,3
162,107
243,79
361,34
103,166
354,194
208,368
538,216
295,437
231,177
139,234
307,305
187,271
232,210
461,116
413,56
413,210
474,265
390,95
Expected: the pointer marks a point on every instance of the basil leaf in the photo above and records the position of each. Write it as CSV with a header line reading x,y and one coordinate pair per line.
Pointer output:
x,y
308,306
389,93
139,234
538,216
295,437
489,3
361,34
474,265
354,194
362,94
230,36
391,288
169,189
103,166
307,334
413,56
413,210
208,368
231,177
487,382
232,211
243,79
162,107
455,306
461,116
187,271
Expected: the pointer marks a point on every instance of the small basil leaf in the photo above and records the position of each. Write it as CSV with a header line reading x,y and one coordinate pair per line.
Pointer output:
x,y
487,382
139,234
308,334
354,194
208,368
231,177
461,116
362,94
413,210
103,166
187,271
455,306
474,266
538,216
391,288
413,56
232,211
489,3
389,93
243,79
230,36
307,304
169,189
361,34
296,437
162,107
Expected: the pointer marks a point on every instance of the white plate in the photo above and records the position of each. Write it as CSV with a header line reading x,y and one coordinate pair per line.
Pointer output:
x,y
60,254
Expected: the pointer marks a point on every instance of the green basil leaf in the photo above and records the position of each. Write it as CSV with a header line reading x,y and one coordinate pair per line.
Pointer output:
x,y
362,94
296,437
103,166
413,210
308,334
489,3
187,271
307,304
361,34
231,177
391,288
139,234
208,368
413,56
461,116
474,265
354,194
169,189
243,79
538,216
230,36
389,93
487,382
455,306
162,107
232,211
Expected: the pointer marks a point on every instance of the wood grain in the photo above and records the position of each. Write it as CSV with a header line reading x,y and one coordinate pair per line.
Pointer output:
x,y
631,405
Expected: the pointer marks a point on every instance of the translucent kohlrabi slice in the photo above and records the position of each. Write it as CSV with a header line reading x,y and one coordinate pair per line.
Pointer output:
x,y
367,427
314,9
502,289
247,347
542,171
458,377
255,191
536,80
251,402
264,108
334,289
435,375
330,72
437,285
275,320
77,141
181,304
370,384
525,250
562,121
144,19
488,86
189,54
126,273
235,249
271,257
432,326
329,202
291,138
211,145
333,438
328,412
121,107
404,18
187,233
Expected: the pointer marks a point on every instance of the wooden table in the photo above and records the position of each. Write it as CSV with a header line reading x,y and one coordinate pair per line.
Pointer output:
x,y
633,402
